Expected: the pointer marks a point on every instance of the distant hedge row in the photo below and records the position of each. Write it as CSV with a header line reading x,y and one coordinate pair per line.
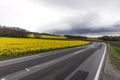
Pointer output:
x,y
110,38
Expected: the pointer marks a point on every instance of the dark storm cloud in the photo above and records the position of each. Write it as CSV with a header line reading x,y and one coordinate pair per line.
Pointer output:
x,y
84,25
94,16
83,30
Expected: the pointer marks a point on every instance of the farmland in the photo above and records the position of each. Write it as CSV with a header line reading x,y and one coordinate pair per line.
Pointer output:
x,y
18,47
52,37
115,43
45,36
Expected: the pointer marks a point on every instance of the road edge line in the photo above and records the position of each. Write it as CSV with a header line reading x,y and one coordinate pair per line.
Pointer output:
x,y
101,64
35,68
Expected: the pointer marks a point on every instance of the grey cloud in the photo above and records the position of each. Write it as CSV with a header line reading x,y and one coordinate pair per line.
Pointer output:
x,y
94,16
86,25
84,30
82,4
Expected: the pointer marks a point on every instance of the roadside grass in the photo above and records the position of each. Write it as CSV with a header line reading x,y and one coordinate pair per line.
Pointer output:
x,y
114,55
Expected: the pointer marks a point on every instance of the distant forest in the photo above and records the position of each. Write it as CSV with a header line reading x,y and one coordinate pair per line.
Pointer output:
x,y
22,33
12,32
76,37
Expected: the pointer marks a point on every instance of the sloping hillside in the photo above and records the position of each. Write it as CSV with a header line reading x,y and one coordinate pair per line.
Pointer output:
x,y
12,32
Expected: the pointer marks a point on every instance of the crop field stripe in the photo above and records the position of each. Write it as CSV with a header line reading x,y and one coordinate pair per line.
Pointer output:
x,y
18,47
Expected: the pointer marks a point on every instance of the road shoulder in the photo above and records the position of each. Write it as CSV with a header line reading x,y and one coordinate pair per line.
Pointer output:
x,y
110,71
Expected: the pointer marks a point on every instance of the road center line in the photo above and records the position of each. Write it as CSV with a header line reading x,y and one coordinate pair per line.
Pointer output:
x,y
34,69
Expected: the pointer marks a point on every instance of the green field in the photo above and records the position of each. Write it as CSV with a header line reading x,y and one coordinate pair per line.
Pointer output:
x,y
115,55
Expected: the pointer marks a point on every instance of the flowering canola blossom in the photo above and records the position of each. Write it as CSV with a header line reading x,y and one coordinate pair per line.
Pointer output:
x,y
52,37
15,47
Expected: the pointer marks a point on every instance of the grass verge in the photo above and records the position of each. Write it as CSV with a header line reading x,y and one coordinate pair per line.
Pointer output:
x,y
115,55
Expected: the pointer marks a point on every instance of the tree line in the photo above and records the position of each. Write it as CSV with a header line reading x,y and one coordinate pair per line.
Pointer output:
x,y
6,31
12,32
75,37
110,38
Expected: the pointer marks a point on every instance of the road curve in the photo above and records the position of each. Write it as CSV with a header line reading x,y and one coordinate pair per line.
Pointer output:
x,y
79,63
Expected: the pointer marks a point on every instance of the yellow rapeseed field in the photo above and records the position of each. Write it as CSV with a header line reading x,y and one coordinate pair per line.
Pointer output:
x,y
52,37
45,36
16,47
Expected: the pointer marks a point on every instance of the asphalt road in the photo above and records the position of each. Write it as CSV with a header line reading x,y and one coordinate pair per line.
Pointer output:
x,y
79,63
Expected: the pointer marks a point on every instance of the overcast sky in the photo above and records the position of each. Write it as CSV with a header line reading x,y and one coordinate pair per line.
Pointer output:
x,y
80,17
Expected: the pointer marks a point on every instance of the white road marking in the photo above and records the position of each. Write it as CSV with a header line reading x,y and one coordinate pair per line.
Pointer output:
x,y
78,69
26,58
27,69
101,64
33,69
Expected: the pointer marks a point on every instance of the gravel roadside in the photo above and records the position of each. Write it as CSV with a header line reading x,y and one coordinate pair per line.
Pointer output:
x,y
110,72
